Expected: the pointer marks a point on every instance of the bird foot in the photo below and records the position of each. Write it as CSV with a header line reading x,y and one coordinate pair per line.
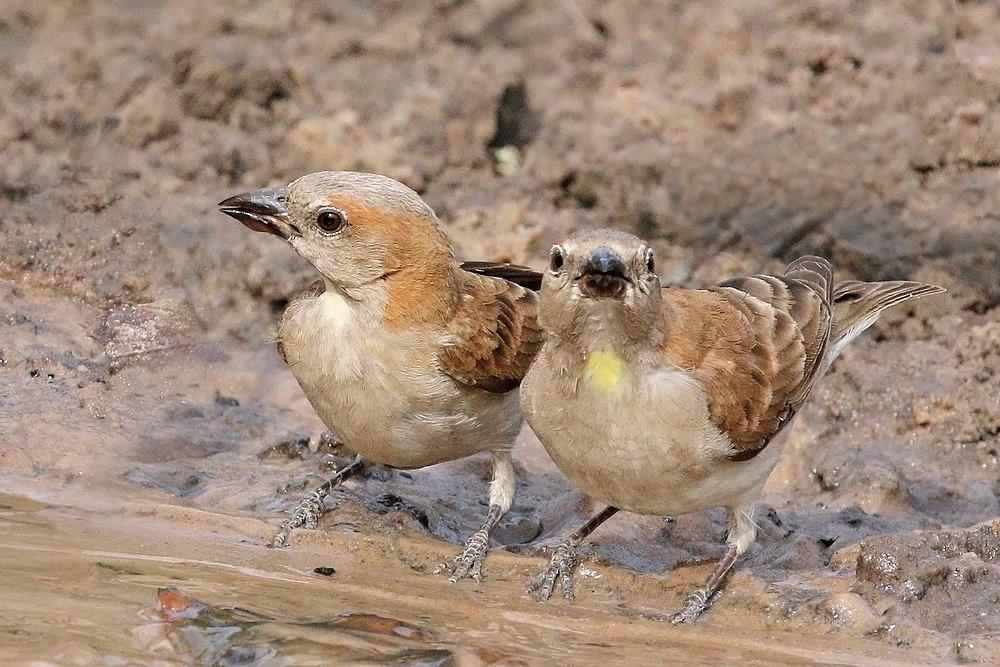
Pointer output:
x,y
305,515
559,570
694,606
470,561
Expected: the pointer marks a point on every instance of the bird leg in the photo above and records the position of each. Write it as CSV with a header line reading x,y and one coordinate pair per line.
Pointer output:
x,y
564,559
307,513
470,561
742,533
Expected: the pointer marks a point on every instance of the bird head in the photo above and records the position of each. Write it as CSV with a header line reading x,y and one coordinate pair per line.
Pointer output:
x,y
355,228
600,284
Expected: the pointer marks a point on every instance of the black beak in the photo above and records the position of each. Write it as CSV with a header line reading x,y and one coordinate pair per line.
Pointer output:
x,y
263,210
603,275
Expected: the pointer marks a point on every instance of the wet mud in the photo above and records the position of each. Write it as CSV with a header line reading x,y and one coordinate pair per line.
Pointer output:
x,y
150,437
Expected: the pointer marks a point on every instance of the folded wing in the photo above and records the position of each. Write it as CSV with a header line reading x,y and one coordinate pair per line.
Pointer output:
x,y
779,329
494,335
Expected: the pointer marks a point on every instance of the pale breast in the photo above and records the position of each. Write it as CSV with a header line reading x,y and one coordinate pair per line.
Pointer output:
x,y
382,393
643,443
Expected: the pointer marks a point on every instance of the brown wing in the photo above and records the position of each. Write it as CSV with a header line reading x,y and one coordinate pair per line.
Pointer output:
x,y
494,336
770,334
519,275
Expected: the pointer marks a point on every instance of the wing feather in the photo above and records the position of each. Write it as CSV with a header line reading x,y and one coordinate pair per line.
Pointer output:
x,y
494,335
787,320
519,275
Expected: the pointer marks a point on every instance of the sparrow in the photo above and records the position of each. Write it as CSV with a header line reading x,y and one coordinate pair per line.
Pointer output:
x,y
410,357
662,400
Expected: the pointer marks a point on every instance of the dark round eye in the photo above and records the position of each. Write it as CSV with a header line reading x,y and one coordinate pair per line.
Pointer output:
x,y
556,258
331,221
650,263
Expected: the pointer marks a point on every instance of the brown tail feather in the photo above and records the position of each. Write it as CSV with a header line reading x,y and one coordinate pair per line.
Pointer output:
x,y
856,306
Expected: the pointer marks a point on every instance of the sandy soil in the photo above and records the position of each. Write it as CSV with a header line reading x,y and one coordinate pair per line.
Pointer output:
x,y
143,404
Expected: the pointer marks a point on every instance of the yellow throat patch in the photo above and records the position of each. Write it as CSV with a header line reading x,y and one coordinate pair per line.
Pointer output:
x,y
606,371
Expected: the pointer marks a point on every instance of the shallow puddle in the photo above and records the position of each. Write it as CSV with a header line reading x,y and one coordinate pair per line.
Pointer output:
x,y
81,587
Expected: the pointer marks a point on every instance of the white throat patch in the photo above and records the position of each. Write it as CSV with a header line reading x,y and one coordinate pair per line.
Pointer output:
x,y
336,309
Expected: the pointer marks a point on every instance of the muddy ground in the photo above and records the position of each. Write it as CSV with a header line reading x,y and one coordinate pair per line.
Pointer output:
x,y
150,436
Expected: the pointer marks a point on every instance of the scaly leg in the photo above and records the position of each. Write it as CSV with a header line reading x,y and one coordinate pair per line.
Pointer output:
x,y
307,513
502,489
742,533
564,559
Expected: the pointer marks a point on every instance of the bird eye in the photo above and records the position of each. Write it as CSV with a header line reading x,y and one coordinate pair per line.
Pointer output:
x,y
331,221
650,263
556,258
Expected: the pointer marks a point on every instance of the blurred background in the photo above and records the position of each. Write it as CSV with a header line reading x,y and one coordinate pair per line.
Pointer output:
x,y
137,323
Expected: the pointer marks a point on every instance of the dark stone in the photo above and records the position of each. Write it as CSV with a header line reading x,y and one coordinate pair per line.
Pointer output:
x,y
516,123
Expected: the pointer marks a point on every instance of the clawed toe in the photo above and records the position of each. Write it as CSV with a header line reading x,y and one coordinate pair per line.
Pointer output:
x,y
559,571
470,561
694,606
305,515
